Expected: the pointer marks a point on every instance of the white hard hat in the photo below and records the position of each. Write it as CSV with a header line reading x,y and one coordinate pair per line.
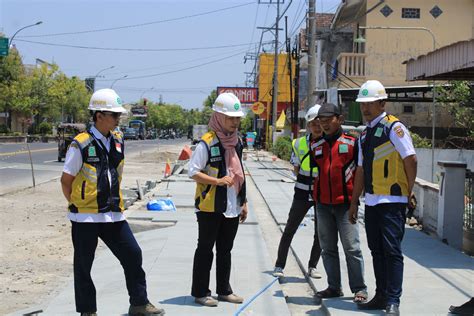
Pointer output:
x,y
372,90
227,103
312,113
106,100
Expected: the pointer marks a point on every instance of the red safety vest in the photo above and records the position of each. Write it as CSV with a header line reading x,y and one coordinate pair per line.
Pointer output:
x,y
336,164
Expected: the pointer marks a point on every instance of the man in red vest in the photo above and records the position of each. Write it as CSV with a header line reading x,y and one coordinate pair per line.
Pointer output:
x,y
335,154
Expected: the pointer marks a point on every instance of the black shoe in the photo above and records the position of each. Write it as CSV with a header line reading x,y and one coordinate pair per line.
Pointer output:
x,y
328,293
465,309
392,310
377,302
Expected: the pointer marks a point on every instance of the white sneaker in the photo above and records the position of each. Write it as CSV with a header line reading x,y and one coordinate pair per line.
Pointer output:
x,y
278,272
312,272
206,301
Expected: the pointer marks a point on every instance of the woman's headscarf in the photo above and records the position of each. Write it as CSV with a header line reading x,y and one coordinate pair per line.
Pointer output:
x,y
228,141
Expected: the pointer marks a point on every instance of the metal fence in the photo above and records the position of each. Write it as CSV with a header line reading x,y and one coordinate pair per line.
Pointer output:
x,y
469,200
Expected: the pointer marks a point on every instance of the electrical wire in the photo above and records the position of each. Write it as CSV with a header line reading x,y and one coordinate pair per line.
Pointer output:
x,y
141,24
135,49
178,70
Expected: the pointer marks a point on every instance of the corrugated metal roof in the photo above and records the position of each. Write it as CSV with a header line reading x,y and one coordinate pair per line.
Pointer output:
x,y
452,62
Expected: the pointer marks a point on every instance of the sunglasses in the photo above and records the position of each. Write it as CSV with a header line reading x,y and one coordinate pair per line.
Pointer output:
x,y
113,114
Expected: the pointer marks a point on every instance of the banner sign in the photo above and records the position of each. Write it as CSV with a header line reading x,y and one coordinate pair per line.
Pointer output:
x,y
245,95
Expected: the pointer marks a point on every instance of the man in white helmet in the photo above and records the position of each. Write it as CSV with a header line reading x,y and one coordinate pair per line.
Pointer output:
x,y
305,173
386,172
91,184
220,200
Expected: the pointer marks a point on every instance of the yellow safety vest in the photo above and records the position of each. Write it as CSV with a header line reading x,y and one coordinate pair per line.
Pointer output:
x,y
306,174
92,192
213,198
384,171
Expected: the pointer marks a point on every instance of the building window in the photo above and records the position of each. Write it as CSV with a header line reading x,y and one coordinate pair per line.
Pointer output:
x,y
436,11
410,13
386,11
408,109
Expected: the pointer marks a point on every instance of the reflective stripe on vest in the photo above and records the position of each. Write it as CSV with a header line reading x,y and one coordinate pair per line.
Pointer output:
x,y
91,190
384,171
213,198
306,174
335,160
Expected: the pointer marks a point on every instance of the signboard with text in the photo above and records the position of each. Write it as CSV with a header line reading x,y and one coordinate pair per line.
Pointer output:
x,y
139,111
3,46
245,95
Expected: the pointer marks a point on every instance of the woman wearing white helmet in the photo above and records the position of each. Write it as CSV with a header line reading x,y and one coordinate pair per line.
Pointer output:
x,y
220,199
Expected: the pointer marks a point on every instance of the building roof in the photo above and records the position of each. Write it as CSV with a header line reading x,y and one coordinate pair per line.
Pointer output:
x,y
452,62
348,12
324,20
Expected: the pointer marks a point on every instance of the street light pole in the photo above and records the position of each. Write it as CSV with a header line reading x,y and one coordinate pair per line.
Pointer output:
x,y
100,71
433,108
123,77
145,92
25,27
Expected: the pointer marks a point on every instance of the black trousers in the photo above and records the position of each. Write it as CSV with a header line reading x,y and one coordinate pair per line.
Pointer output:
x,y
120,240
298,211
214,228
385,227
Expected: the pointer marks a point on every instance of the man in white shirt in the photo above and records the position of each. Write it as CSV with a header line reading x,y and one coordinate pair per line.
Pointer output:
x,y
386,172
91,184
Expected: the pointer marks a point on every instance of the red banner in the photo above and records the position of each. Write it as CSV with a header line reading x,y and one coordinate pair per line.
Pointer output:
x,y
245,95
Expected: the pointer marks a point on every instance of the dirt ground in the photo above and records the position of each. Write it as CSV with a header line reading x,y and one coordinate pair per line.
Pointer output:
x,y
35,243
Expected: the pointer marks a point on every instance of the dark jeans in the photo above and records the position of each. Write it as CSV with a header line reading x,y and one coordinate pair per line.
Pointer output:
x,y
214,228
120,240
385,227
298,211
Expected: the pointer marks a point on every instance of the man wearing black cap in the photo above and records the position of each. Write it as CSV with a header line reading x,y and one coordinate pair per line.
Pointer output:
x,y
334,154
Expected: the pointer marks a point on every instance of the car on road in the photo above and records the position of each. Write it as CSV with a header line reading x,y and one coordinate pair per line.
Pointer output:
x,y
130,133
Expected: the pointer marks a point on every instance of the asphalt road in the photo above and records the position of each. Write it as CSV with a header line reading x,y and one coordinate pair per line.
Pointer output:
x,y
15,166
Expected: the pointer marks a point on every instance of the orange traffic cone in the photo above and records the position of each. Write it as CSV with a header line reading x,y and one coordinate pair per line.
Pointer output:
x,y
185,153
167,172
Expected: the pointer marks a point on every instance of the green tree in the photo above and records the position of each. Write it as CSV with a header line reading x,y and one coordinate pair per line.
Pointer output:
x,y
210,99
458,98
246,124
13,88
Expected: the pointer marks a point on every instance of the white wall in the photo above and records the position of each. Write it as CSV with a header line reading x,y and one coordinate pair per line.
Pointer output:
x,y
424,160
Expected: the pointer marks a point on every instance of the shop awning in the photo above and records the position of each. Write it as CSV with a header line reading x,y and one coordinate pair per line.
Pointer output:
x,y
452,62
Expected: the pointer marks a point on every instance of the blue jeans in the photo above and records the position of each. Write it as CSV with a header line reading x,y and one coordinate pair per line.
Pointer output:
x,y
385,227
331,220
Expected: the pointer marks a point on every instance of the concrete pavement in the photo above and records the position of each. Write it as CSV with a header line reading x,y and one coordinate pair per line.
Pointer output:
x,y
436,275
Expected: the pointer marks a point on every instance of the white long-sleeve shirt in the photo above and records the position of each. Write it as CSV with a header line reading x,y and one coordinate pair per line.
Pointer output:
x,y
197,163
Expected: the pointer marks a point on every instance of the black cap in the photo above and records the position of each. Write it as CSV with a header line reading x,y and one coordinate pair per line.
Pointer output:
x,y
328,109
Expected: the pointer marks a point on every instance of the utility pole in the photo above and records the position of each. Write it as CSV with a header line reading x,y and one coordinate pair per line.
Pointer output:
x,y
275,73
297,56
290,71
311,53
275,65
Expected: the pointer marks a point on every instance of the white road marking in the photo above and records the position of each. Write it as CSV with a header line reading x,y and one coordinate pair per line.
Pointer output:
x,y
9,167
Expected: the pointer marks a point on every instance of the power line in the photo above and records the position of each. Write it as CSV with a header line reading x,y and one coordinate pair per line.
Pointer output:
x,y
125,71
135,49
142,24
178,70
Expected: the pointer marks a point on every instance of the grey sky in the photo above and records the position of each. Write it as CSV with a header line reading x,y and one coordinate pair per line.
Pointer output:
x,y
165,71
